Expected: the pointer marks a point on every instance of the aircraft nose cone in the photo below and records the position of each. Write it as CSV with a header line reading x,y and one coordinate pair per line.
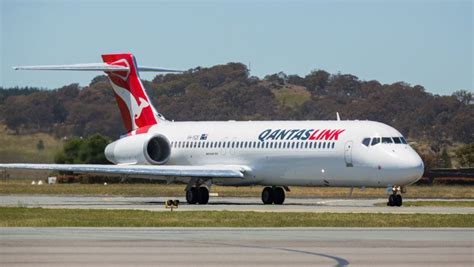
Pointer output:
x,y
413,164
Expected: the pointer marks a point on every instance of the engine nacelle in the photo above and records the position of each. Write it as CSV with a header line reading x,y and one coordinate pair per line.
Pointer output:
x,y
152,149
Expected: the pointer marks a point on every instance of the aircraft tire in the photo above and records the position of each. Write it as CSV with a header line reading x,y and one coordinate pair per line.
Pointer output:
x,y
278,195
203,195
267,195
398,201
391,201
192,195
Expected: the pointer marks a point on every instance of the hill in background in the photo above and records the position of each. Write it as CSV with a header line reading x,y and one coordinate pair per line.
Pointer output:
x,y
226,92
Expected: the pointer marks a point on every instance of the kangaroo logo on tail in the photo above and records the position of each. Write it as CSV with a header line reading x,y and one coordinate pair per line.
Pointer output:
x,y
135,107
132,99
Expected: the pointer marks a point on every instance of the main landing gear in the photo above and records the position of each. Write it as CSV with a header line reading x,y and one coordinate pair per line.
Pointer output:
x,y
197,195
395,199
273,195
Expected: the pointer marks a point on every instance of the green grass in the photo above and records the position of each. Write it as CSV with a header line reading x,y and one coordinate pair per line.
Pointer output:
x,y
438,203
18,187
38,217
22,148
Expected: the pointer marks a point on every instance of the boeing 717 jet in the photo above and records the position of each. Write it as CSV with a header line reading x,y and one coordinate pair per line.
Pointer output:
x,y
272,154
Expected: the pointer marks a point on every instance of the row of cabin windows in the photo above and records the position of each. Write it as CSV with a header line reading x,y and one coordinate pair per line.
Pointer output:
x,y
237,144
384,140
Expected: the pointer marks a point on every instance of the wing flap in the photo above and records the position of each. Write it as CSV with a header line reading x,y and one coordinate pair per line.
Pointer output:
x,y
217,171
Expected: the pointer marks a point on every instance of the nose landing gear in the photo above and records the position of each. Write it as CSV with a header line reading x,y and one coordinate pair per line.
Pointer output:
x,y
395,199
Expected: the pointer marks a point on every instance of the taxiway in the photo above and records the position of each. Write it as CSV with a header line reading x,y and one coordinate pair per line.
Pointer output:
x,y
229,204
236,247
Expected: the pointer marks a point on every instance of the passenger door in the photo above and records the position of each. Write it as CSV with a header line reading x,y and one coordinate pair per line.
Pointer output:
x,y
348,153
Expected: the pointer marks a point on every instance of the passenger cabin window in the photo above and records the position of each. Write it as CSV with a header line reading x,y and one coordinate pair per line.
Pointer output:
x,y
386,140
375,141
366,141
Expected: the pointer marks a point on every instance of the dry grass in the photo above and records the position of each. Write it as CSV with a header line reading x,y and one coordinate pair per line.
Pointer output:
x,y
23,148
292,96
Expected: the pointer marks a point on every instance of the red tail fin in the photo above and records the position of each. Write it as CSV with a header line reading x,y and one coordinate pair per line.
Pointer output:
x,y
133,102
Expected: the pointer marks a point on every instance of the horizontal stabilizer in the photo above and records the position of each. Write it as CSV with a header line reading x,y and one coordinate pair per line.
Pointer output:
x,y
94,67
219,171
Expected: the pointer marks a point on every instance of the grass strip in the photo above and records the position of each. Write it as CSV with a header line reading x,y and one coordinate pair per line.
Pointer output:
x,y
461,204
19,187
39,217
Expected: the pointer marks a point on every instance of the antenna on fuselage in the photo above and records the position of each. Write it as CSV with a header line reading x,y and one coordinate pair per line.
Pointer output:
x,y
337,116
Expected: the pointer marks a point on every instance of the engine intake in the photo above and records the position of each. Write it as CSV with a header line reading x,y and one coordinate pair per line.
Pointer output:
x,y
139,149
158,150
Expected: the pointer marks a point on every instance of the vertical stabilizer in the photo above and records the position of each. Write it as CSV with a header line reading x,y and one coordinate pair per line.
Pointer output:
x,y
132,100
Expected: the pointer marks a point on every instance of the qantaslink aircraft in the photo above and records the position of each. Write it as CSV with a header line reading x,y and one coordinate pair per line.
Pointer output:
x,y
273,154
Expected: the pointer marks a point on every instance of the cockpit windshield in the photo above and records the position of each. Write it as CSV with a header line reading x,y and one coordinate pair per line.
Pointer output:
x,y
366,141
384,140
375,141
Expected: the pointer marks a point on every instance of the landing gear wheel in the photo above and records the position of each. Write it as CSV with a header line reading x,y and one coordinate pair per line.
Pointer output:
x,y
398,201
278,195
203,195
395,199
192,195
267,195
391,200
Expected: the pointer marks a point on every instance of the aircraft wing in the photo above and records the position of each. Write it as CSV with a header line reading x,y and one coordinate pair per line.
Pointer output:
x,y
211,171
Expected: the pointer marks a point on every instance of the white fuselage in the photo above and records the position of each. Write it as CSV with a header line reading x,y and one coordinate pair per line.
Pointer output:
x,y
290,153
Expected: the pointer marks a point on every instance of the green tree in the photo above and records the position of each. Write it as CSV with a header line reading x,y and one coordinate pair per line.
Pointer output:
x,y
84,151
465,155
92,150
463,96
317,81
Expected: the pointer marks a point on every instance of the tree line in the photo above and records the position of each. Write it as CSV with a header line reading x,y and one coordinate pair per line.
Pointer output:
x,y
227,92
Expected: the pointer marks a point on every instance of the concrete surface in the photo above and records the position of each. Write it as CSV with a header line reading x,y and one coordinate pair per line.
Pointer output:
x,y
228,203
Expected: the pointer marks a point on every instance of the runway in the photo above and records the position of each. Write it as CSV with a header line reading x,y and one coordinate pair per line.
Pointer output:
x,y
228,203
235,247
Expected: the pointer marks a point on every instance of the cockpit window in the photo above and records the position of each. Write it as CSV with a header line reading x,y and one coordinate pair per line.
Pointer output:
x,y
386,140
403,140
366,141
397,140
375,141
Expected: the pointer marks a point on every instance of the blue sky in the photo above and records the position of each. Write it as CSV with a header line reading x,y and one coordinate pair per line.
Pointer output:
x,y
420,42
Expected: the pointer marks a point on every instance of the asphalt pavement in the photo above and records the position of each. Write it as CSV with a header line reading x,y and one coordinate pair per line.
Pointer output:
x,y
236,247
229,203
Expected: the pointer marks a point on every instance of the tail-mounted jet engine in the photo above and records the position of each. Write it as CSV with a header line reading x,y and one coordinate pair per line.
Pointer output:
x,y
139,149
